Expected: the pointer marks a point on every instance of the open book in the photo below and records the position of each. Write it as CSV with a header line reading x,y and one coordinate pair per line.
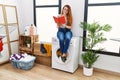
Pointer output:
x,y
59,20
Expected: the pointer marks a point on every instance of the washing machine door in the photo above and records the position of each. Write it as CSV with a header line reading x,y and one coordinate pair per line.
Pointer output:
x,y
58,59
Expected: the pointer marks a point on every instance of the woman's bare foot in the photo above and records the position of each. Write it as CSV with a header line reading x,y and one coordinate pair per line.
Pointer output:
x,y
64,55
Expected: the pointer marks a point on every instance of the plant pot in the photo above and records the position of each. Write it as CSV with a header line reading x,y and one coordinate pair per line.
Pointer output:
x,y
28,45
88,71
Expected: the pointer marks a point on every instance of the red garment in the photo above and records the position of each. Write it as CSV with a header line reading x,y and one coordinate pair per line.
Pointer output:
x,y
1,45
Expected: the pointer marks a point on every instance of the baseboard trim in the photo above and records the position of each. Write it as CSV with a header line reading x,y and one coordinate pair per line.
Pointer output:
x,y
105,71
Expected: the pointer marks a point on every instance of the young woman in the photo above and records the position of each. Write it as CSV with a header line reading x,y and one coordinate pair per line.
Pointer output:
x,y
64,33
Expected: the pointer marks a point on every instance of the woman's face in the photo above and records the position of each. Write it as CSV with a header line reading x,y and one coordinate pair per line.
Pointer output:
x,y
65,10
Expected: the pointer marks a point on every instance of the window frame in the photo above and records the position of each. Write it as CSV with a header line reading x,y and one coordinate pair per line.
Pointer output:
x,y
85,19
45,6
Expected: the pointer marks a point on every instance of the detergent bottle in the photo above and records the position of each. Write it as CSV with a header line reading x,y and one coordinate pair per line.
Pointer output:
x,y
32,30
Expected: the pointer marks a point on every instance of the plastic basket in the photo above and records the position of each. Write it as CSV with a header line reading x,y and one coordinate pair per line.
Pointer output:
x,y
23,65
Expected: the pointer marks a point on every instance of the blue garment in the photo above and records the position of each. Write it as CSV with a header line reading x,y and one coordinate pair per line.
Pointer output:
x,y
64,35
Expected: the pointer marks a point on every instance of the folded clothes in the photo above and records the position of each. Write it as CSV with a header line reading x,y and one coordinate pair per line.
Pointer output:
x,y
21,57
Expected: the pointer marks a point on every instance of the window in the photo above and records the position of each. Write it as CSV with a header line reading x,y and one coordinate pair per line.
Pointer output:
x,y
44,10
105,12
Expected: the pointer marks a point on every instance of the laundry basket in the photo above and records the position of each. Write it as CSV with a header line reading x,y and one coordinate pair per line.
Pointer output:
x,y
25,65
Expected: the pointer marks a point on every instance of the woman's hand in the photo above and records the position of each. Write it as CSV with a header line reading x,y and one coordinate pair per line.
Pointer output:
x,y
64,25
58,25
69,27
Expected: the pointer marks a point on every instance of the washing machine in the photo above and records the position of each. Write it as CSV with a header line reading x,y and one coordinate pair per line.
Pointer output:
x,y
72,61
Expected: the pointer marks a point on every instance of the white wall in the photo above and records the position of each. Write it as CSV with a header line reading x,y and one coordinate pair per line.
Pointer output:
x,y
110,63
25,9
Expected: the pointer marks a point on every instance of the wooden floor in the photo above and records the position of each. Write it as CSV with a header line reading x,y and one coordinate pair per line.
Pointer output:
x,y
41,72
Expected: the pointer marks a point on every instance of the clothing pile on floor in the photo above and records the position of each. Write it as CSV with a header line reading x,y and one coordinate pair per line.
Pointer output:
x,y
21,57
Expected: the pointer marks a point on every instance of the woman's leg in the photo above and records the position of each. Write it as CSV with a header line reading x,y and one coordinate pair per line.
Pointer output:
x,y
60,36
68,37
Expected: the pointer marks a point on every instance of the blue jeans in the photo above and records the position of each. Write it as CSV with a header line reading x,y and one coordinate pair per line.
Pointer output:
x,y
64,35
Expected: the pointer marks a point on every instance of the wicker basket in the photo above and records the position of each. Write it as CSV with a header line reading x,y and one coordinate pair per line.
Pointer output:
x,y
23,65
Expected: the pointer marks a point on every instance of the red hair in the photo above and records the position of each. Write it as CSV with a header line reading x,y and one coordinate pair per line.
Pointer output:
x,y
69,15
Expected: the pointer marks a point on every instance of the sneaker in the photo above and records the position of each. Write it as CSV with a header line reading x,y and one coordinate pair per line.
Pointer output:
x,y
63,59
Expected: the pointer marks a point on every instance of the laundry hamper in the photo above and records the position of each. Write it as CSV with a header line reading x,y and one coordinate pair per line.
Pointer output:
x,y
25,65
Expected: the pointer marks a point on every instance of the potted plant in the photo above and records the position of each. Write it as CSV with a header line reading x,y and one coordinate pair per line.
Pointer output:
x,y
28,42
94,36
